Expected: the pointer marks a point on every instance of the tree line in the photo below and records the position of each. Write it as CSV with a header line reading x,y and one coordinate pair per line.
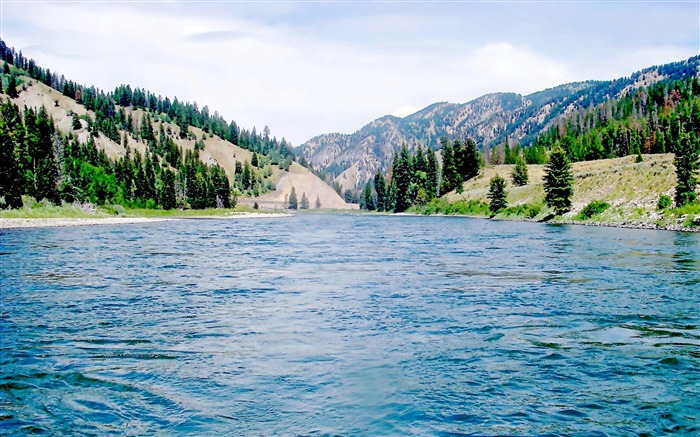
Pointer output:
x,y
38,161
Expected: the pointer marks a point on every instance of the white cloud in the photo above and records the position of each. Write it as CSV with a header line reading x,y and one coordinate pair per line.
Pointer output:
x,y
404,110
303,77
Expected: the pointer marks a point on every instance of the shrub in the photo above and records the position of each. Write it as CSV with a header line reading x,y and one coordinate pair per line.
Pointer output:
x,y
593,208
528,210
664,201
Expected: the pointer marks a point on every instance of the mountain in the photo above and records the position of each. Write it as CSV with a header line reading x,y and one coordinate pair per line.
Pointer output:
x,y
491,119
68,142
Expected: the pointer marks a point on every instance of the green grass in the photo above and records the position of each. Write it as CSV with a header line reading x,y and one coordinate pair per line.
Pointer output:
x,y
459,207
526,210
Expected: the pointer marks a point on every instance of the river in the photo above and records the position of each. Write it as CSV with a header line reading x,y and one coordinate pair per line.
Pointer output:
x,y
349,325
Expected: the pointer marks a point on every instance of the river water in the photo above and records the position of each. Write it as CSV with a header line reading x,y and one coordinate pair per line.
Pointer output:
x,y
349,325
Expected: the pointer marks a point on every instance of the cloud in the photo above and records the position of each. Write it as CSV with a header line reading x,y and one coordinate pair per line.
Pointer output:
x,y
306,69
404,110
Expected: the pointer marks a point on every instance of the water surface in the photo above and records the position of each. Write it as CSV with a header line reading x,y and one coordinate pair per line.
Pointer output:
x,y
349,325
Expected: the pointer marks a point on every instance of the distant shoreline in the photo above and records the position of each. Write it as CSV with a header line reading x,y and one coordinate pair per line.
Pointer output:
x,y
56,222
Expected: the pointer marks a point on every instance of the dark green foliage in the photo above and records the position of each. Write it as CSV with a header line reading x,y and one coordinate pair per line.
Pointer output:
x,y
687,162
558,182
639,158
12,87
527,210
10,188
292,202
450,177
460,207
304,202
664,201
254,160
520,176
402,170
592,209
645,120
318,202
382,203
497,194
460,162
432,175
535,154
367,201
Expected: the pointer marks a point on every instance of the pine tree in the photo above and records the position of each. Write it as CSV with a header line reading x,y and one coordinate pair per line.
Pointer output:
x,y
304,202
497,194
432,186
519,175
558,181
293,202
318,202
12,87
449,169
402,178
367,201
380,188
687,162
10,181
254,160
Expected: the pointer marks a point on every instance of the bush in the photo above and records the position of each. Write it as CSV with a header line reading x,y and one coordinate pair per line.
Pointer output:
x,y
460,207
664,202
528,210
593,208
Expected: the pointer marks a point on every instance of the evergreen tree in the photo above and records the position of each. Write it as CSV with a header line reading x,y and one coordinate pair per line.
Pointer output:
x,y
380,188
469,162
497,194
293,202
432,186
254,160
558,182
449,169
304,202
402,178
168,198
318,202
687,162
519,175
12,87
10,181
367,201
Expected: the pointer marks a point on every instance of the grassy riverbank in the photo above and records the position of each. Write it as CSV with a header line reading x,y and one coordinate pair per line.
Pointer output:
x,y
611,192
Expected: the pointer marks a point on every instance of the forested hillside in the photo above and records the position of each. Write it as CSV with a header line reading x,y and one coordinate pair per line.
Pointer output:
x,y
493,121
661,118
66,142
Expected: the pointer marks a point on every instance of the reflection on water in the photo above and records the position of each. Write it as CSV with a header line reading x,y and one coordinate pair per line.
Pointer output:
x,y
350,325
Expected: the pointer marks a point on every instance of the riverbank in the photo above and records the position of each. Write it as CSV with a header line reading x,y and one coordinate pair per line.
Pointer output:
x,y
45,222
632,190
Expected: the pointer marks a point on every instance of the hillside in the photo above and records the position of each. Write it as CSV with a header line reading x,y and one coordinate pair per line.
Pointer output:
x,y
631,188
163,136
490,119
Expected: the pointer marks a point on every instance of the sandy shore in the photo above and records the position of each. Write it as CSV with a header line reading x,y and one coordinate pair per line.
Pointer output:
x,y
12,223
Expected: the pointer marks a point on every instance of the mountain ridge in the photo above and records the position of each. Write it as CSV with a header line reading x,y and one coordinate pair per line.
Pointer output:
x,y
352,159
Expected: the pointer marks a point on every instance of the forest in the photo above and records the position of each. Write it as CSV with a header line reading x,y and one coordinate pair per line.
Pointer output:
x,y
41,162
661,118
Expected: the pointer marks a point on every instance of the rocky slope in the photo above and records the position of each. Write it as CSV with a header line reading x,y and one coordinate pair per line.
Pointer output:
x,y
354,158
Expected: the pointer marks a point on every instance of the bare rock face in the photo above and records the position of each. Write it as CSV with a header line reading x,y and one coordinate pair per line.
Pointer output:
x,y
491,119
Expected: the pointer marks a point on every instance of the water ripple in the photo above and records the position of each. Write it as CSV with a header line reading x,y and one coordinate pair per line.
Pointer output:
x,y
349,325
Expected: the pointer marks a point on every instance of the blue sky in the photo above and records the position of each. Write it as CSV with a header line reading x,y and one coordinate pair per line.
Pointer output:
x,y
307,68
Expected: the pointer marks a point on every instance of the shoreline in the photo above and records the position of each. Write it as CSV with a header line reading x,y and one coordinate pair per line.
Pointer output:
x,y
61,222
640,226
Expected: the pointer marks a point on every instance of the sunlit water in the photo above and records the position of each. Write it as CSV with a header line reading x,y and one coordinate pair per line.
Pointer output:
x,y
349,325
